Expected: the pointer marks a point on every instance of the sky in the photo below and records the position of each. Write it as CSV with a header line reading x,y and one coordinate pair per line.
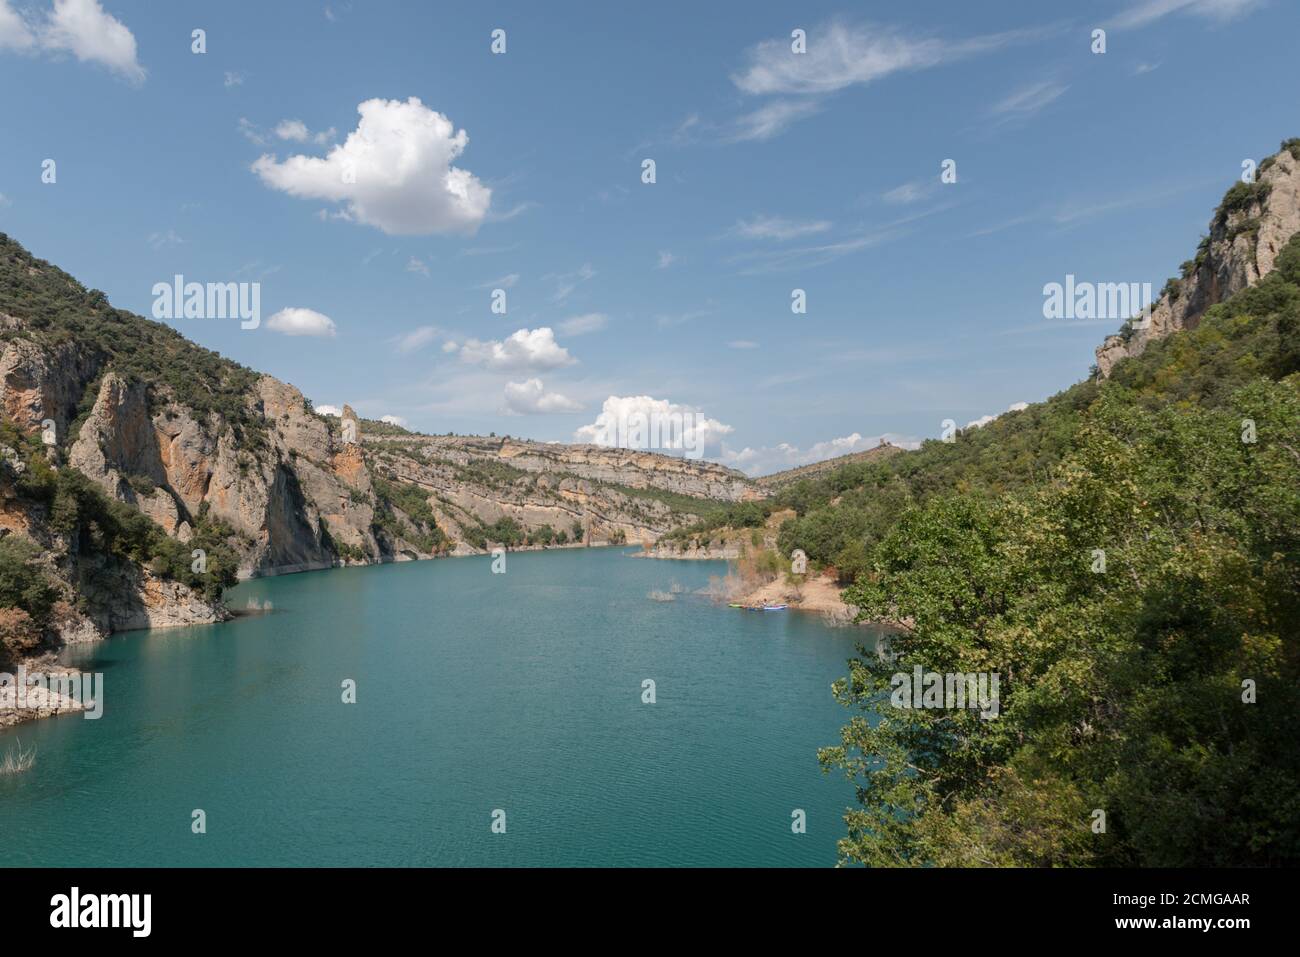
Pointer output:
x,y
386,176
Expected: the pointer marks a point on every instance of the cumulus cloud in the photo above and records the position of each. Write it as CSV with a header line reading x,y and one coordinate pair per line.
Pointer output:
x,y
526,349
82,28
79,27
296,321
296,131
984,420
765,459
581,325
394,172
393,420
531,398
644,422
331,410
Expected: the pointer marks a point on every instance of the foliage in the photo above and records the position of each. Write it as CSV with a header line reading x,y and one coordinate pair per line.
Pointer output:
x,y
1120,690
421,529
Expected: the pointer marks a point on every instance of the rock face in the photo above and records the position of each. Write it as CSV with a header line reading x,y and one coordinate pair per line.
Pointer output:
x,y
626,467
1248,231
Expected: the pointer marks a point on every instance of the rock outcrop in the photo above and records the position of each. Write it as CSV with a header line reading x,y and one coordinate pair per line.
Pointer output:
x,y
1246,235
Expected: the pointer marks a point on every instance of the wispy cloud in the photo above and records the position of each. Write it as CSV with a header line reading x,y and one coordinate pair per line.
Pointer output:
x,y
1148,11
1027,101
566,283
912,192
771,119
842,54
839,55
416,339
584,324
778,228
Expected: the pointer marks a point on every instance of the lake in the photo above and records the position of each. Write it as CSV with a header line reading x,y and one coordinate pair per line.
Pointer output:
x,y
475,692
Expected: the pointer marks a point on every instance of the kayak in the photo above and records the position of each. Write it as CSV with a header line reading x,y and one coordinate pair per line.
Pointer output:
x,y
775,607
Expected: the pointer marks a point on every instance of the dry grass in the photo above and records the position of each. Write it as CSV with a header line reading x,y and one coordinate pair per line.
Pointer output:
x,y
16,760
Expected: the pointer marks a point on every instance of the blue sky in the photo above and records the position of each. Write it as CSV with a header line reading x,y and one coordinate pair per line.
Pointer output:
x,y
774,171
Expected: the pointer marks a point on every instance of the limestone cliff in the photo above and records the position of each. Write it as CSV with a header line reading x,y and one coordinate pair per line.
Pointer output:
x,y
1249,229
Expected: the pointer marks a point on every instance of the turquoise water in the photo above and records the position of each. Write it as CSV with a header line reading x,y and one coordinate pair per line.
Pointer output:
x,y
475,692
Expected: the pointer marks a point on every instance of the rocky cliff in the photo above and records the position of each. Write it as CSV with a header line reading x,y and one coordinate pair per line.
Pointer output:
x,y
147,472
1249,229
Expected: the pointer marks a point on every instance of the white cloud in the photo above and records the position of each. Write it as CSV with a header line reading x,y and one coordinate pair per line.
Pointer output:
x,y
840,55
630,422
774,227
393,420
742,344
518,209
772,119
984,420
1028,100
163,239
332,410
417,265
233,78
565,283
912,192
297,132
581,325
531,398
15,34
82,28
530,349
1148,11
393,172
417,338
764,460
504,282
666,259
296,321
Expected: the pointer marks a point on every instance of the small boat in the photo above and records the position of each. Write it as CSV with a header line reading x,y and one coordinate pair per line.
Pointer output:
x,y
775,607
734,604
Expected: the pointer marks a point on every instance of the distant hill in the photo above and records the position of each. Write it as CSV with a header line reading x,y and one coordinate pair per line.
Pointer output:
x,y
779,479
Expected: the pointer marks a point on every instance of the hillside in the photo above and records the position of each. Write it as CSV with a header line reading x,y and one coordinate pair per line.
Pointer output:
x,y
141,474
1125,558
789,476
